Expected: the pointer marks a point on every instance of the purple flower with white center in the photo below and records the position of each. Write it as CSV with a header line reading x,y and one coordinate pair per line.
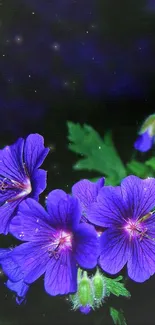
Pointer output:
x,y
87,192
130,235
20,176
146,136
56,242
15,278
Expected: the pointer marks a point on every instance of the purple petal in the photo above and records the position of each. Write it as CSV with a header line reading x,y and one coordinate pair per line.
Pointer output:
x,y
7,212
100,184
32,259
38,182
8,194
109,209
34,152
4,252
144,142
87,191
20,300
86,246
114,250
85,309
11,268
63,209
61,275
55,196
11,161
19,287
31,222
138,195
141,263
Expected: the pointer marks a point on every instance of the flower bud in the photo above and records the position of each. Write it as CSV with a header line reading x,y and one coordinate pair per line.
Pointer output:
x,y
90,292
149,124
85,293
146,136
99,288
83,298
98,285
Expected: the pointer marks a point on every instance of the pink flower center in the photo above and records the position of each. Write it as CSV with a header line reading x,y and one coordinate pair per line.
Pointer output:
x,y
25,187
135,228
20,189
65,239
62,241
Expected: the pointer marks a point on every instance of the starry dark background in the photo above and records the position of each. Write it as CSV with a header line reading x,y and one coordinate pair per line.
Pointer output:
x,y
88,61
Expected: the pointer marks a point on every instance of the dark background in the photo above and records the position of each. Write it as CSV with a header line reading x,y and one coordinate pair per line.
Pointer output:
x,y
85,61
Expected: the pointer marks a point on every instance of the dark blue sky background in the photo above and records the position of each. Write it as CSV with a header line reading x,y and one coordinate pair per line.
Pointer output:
x,y
72,49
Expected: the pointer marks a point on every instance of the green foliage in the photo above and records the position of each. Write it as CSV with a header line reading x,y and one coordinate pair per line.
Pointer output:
x,y
116,287
143,170
138,168
117,316
98,154
151,163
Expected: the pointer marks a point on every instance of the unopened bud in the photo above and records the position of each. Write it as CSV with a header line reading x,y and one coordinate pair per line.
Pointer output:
x,y
83,298
99,288
149,124
85,291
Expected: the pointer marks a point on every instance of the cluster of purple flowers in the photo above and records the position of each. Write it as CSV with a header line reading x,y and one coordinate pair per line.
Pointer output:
x,y
96,224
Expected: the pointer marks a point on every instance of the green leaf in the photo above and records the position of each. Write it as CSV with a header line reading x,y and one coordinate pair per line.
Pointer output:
x,y
116,287
98,155
139,169
117,316
151,163
94,179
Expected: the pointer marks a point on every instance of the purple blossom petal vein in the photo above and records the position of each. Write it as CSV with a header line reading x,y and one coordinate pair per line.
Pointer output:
x,y
130,235
55,242
20,176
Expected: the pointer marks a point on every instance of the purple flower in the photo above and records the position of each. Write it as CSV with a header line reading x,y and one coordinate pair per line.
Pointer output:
x,y
144,142
146,136
15,277
20,176
87,192
57,242
130,235
85,309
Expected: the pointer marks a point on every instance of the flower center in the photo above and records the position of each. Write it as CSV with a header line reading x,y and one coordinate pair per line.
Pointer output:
x,y
25,187
135,229
62,241
19,189
65,240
